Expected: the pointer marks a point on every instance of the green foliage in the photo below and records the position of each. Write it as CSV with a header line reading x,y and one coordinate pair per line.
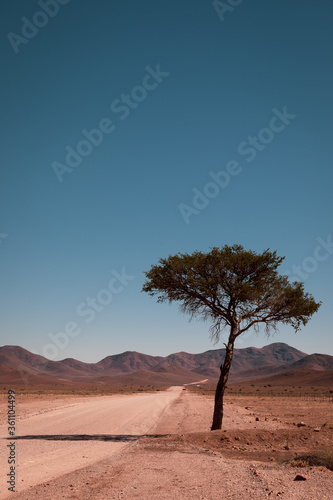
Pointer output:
x,y
231,287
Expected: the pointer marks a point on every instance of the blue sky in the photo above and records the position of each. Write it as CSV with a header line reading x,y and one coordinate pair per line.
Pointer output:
x,y
179,91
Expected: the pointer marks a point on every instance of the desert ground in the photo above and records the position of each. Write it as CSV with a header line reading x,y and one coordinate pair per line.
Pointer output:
x,y
157,444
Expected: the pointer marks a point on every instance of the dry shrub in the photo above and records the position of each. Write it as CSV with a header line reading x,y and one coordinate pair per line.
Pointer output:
x,y
298,463
320,458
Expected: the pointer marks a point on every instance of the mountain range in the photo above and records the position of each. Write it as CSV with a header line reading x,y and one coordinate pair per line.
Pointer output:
x,y
274,363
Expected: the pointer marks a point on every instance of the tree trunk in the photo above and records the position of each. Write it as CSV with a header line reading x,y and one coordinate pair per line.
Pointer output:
x,y
221,385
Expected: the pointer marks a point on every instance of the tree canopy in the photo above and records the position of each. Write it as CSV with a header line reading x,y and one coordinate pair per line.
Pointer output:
x,y
231,285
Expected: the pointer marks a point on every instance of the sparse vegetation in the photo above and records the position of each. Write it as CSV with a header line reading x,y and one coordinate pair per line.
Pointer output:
x,y
238,390
298,463
318,458
82,390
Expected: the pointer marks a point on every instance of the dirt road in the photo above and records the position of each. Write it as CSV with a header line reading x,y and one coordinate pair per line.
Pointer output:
x,y
78,434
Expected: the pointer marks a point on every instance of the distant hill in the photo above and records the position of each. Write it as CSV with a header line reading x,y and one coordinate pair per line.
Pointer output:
x,y
320,362
301,377
17,365
313,363
127,362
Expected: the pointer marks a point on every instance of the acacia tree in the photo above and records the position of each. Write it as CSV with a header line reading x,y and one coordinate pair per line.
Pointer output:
x,y
234,288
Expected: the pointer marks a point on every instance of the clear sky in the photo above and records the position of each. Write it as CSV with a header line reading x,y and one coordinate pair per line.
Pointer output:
x,y
132,130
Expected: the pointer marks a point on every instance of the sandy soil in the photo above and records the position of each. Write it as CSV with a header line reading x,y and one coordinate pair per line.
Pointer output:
x,y
184,460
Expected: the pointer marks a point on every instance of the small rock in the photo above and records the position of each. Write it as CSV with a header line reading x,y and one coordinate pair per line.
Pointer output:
x,y
300,477
257,419
301,424
317,429
248,407
236,438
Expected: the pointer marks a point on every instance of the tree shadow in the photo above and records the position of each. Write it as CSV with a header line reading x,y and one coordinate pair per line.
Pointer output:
x,y
89,437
